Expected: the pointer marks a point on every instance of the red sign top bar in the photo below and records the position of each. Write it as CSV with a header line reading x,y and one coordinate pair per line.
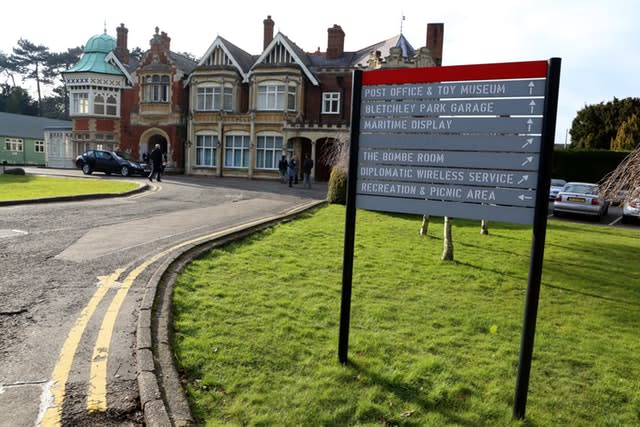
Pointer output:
x,y
499,71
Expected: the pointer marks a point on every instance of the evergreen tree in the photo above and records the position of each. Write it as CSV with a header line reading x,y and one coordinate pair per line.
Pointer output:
x,y
6,70
628,135
596,126
17,100
30,60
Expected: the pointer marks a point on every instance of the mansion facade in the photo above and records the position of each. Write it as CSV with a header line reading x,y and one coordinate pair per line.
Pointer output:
x,y
232,113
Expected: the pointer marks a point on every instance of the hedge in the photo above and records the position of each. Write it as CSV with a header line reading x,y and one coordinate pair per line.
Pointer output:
x,y
585,165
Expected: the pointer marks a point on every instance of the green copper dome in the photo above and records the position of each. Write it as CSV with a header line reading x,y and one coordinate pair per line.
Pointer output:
x,y
94,56
103,43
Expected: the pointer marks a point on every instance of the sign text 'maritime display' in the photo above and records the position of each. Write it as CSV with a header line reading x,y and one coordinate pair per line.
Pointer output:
x,y
458,141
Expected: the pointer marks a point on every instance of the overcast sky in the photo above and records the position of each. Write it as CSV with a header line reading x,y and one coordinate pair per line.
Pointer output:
x,y
598,41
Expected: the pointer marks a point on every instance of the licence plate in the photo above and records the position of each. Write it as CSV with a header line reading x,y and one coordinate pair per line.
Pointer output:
x,y
576,199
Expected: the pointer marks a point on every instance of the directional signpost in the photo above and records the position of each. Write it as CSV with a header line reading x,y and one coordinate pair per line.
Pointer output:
x,y
471,141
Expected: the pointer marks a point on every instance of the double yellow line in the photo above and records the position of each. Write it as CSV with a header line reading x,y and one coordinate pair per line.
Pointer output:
x,y
97,397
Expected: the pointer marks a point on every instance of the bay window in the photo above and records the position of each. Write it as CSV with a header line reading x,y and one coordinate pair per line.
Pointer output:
x,y
214,98
276,96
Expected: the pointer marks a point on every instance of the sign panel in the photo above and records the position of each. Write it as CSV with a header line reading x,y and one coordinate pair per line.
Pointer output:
x,y
472,142
480,107
484,89
465,148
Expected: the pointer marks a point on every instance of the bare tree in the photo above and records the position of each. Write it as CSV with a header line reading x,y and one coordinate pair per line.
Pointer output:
x,y
621,183
336,154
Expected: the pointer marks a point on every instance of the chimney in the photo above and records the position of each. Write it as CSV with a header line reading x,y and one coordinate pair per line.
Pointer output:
x,y
268,31
122,52
335,42
166,40
435,39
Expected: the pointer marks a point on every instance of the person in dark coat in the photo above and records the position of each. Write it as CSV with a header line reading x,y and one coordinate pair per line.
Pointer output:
x,y
156,159
307,165
293,168
283,165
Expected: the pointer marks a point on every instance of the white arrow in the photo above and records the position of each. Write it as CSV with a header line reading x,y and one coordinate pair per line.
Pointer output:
x,y
531,86
529,123
532,104
529,142
524,178
529,160
523,197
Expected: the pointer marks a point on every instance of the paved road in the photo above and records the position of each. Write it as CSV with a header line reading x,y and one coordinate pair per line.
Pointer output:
x,y
74,275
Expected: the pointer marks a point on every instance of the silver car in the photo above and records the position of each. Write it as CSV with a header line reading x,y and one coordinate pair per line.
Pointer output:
x,y
556,186
631,208
580,198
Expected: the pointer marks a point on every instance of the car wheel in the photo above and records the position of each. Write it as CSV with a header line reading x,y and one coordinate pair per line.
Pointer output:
x,y
124,171
86,169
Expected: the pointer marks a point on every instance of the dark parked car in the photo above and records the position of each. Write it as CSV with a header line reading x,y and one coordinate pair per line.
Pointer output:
x,y
109,162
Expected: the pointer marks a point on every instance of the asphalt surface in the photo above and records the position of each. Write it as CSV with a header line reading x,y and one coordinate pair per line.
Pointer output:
x,y
237,207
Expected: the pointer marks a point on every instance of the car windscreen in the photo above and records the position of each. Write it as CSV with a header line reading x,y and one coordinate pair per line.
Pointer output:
x,y
581,189
125,156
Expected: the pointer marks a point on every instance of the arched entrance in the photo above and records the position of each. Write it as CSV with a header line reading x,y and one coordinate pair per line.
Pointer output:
x,y
150,138
157,139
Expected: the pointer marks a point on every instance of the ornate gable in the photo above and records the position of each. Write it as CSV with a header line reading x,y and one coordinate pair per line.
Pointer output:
x,y
222,53
281,51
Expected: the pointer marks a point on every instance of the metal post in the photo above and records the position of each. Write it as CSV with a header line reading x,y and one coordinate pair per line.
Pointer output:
x,y
539,234
350,221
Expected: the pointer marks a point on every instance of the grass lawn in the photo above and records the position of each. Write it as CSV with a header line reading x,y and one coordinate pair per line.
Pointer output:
x,y
432,343
24,187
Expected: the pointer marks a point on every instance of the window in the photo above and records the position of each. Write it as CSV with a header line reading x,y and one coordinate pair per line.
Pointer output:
x,y
80,103
112,106
291,98
269,151
206,149
98,104
38,146
271,97
156,88
331,102
214,98
236,151
13,144
105,105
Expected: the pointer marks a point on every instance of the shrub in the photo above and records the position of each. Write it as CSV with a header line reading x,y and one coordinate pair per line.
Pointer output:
x,y
14,171
337,186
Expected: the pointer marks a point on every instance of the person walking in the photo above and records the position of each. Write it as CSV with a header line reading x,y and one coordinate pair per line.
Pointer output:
x,y
292,170
282,167
307,165
156,159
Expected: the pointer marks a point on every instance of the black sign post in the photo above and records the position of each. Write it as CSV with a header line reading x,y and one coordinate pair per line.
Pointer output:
x,y
537,243
350,221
